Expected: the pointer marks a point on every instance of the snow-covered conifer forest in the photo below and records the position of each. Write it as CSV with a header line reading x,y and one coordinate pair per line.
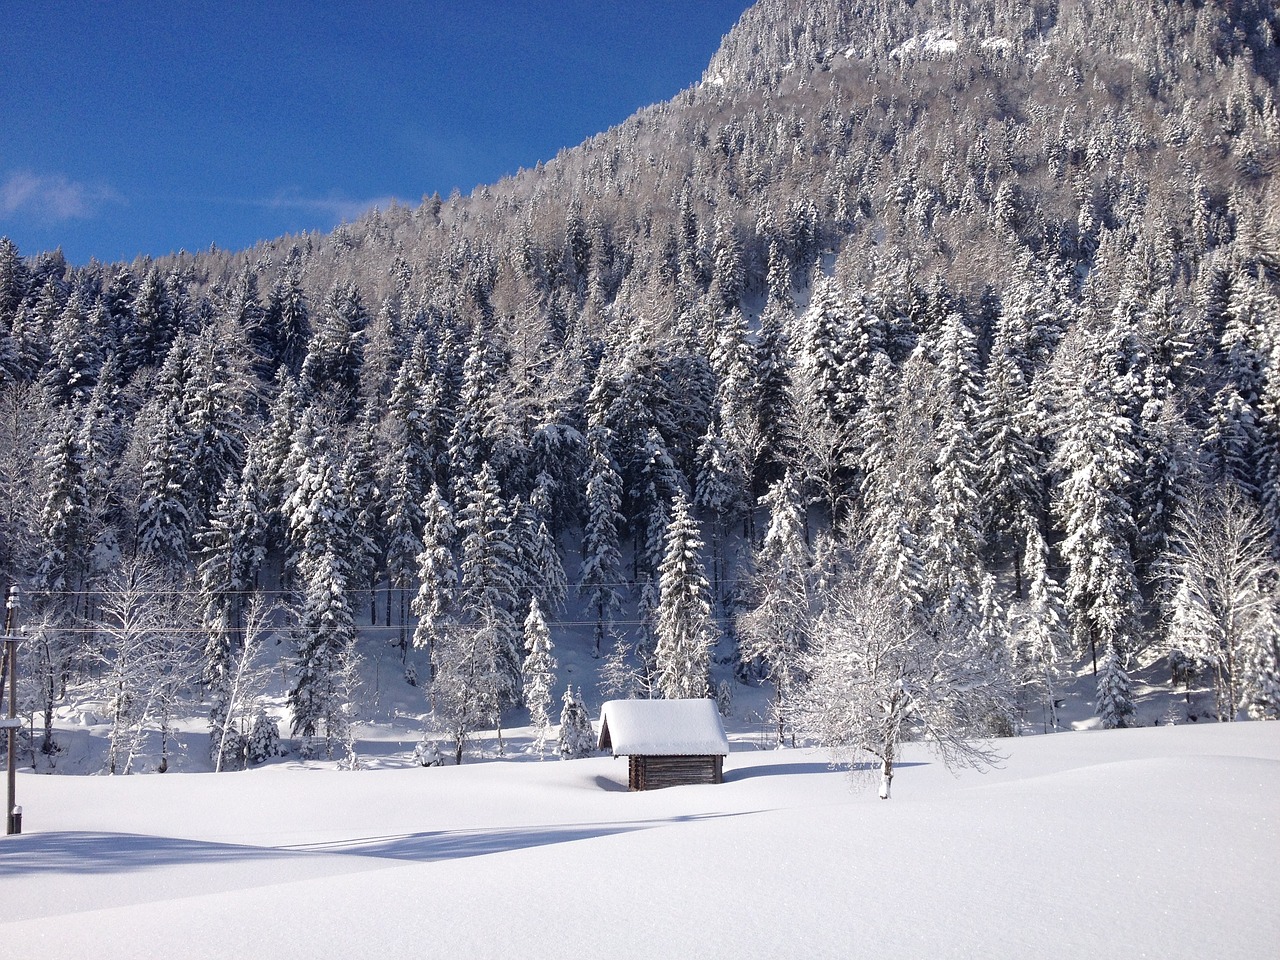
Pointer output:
x,y
909,384
965,311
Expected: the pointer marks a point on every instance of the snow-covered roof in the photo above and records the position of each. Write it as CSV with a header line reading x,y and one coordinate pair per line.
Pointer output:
x,y
681,728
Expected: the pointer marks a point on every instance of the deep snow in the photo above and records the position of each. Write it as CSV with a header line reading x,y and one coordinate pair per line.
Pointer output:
x,y
1156,842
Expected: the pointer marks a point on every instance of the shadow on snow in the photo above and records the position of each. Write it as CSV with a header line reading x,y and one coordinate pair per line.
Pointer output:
x,y
105,853
796,769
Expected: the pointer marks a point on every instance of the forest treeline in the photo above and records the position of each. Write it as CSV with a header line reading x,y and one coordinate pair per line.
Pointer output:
x,y
968,312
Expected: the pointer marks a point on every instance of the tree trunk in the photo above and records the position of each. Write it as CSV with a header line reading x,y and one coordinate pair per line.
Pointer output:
x,y
886,769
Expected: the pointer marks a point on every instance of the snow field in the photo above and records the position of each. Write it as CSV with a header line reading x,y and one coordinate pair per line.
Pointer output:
x,y
1160,842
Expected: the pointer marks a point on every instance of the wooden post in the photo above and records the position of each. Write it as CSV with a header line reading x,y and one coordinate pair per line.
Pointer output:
x,y
13,815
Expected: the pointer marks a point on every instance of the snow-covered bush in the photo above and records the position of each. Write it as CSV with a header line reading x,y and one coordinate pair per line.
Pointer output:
x,y
263,741
231,745
427,753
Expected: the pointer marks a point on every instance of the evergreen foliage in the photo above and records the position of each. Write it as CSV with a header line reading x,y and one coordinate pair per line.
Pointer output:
x,y
994,313
577,736
539,674
684,626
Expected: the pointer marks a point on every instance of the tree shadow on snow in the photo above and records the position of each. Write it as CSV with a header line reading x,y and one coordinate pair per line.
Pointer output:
x,y
457,844
85,852
105,853
799,769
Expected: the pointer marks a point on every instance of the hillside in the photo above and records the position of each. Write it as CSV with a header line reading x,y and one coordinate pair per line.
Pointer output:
x,y
963,311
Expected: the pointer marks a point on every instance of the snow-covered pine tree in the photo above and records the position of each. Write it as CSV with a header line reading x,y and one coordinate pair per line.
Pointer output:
x,y
230,553
1011,468
164,508
318,510
213,420
601,561
367,496
775,628
64,515
550,583
155,324
330,374
403,529
1043,634
1115,699
539,675
577,736
685,629
437,572
75,355
655,482
472,443
954,541
824,363
326,629
489,577
289,315
1095,458
771,396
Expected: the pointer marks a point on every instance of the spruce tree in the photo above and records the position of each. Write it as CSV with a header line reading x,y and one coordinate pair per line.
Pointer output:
x,y
437,573
539,675
1095,458
774,629
577,737
165,522
1115,699
489,576
601,561
403,531
326,632
685,629
64,514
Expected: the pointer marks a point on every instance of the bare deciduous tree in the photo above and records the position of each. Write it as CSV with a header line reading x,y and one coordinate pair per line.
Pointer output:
x,y
877,677
148,659
1223,580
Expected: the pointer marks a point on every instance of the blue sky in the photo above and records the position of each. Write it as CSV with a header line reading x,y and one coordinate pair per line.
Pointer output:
x,y
130,128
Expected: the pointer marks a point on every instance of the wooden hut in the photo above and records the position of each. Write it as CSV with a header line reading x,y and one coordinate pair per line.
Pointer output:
x,y
667,742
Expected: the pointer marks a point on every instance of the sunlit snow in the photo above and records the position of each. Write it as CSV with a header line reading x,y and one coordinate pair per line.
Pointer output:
x,y
1158,842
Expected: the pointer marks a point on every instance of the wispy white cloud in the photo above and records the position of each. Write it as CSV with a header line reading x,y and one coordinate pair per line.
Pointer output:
x,y
52,198
335,206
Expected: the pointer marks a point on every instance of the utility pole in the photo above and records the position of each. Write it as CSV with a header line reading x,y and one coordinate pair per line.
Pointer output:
x,y
11,722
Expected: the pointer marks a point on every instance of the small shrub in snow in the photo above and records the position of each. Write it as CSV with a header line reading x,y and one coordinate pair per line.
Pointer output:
x,y
263,741
577,736
427,753
232,745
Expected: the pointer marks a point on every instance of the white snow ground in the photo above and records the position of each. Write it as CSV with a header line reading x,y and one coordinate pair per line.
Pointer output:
x,y
1155,842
